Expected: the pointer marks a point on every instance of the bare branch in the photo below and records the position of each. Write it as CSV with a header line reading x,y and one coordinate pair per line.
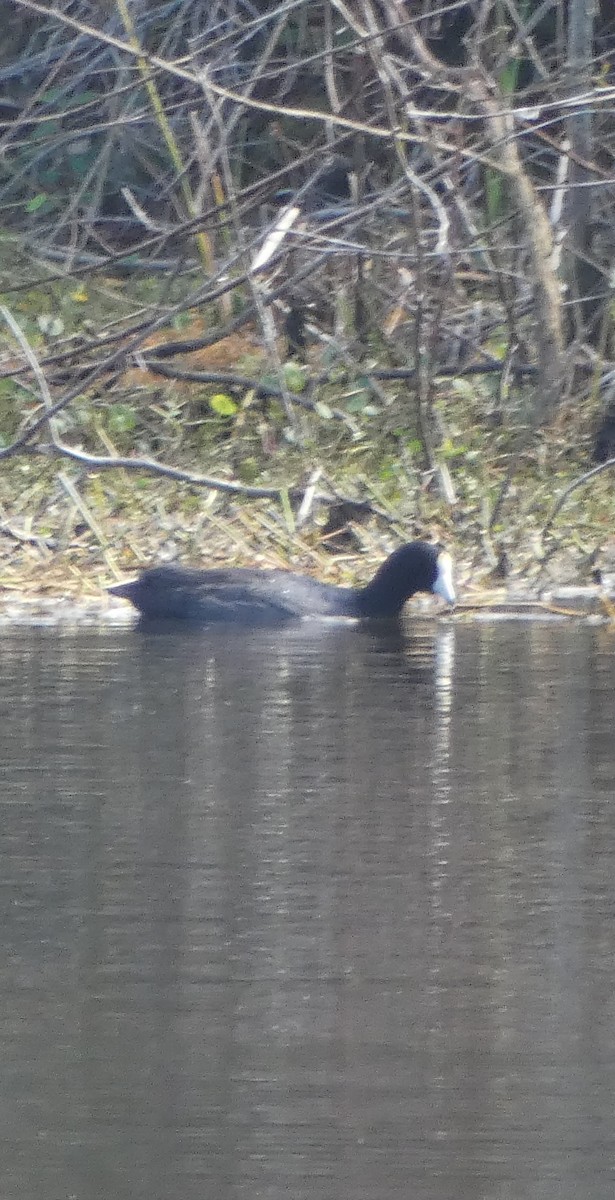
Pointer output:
x,y
572,487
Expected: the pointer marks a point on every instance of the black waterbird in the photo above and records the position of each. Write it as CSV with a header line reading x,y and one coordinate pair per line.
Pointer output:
x,y
248,596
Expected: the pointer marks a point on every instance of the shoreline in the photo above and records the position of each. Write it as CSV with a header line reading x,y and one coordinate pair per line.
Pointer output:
x,y
592,603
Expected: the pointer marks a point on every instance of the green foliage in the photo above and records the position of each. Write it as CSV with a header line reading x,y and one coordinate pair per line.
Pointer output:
x,y
450,449
121,419
249,469
11,394
324,410
294,378
41,200
358,401
223,405
463,387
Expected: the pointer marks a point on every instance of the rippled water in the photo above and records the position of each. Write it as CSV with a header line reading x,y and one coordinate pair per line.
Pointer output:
x,y
327,915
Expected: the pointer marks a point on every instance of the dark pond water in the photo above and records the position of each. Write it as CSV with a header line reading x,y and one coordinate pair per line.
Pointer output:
x,y
323,917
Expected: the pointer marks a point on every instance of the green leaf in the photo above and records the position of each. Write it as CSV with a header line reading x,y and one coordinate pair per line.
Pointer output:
x,y
36,202
450,450
294,378
323,410
223,405
509,76
358,402
122,419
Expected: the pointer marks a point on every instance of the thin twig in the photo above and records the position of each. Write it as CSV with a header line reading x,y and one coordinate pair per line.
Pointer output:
x,y
572,487
232,487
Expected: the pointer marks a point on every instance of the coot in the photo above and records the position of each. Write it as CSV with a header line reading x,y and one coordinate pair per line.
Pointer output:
x,y
247,596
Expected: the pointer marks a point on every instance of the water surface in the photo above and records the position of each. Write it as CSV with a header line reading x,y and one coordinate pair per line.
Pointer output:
x,y
328,916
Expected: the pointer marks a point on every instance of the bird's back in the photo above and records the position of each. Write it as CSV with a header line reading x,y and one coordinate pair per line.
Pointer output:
x,y
240,595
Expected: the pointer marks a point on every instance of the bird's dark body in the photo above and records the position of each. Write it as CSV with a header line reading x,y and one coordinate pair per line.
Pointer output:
x,y
243,596
239,595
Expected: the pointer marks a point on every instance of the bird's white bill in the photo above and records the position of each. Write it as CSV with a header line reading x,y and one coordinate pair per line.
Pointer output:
x,y
285,221
444,585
